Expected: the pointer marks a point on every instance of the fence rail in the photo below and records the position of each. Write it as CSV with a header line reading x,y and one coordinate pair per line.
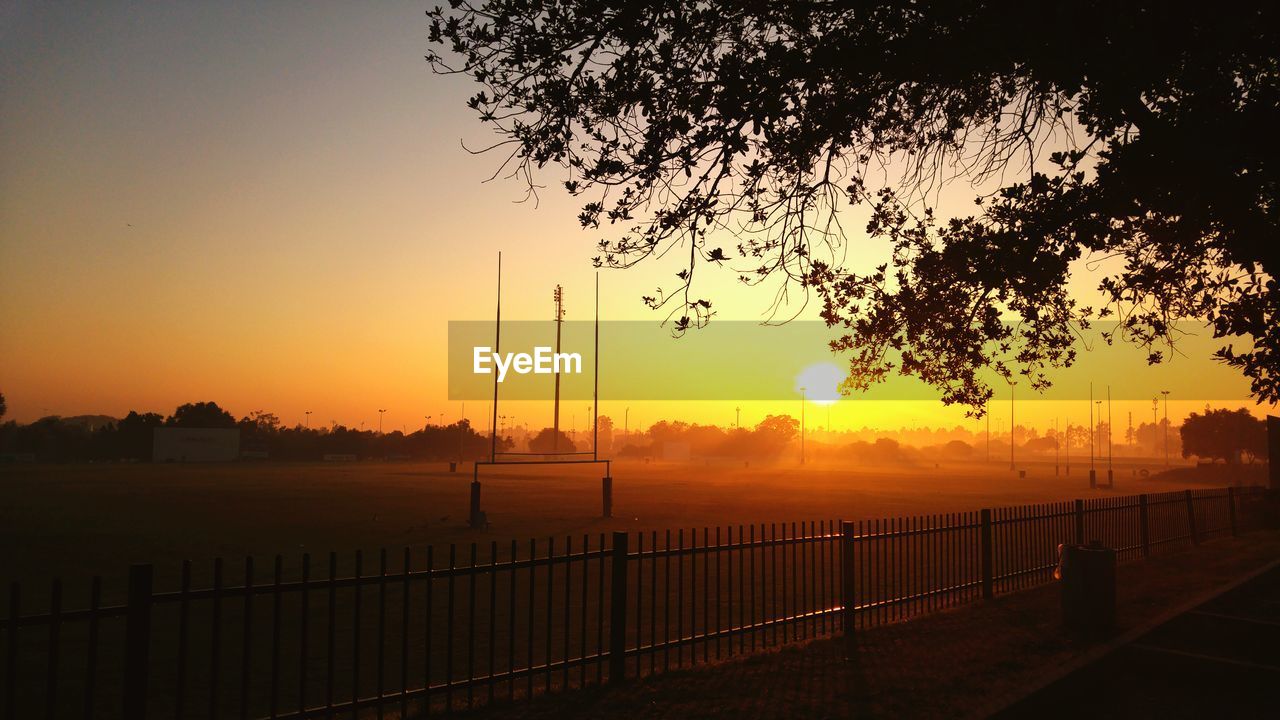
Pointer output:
x,y
433,632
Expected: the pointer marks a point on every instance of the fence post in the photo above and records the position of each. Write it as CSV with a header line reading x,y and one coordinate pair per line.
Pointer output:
x,y
1191,517
1079,514
618,611
847,573
137,649
606,495
1231,510
988,581
1144,526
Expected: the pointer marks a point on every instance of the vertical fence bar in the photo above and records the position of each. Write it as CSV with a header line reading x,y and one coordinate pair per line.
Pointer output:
x,y
1231,509
471,629
275,634
848,599
1191,516
137,650
380,664
11,653
55,632
246,639
988,586
1144,526
184,606
618,610
91,664
428,626
332,639
406,565
304,626
1079,521
356,588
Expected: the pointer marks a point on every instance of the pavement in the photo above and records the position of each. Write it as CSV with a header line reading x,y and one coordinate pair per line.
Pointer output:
x,y
1218,658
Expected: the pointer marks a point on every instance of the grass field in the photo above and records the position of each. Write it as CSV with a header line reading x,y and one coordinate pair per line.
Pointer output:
x,y
76,521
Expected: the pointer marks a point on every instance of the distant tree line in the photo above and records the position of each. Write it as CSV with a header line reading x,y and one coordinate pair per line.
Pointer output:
x,y
102,439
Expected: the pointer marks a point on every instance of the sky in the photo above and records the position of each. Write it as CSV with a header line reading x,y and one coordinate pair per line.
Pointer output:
x,y
272,206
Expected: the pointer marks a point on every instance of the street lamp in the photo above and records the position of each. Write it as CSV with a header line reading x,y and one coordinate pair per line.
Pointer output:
x,y
1165,393
802,390
308,414
427,424
1012,384
380,412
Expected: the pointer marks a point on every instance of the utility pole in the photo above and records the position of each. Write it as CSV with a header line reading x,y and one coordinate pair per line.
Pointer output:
x,y
801,426
1068,446
737,417
1012,385
1091,433
626,425
988,414
1057,445
1165,393
1110,440
558,296
1155,423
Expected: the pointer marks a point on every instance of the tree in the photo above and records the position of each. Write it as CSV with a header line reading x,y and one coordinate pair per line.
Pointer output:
x,y
3,408
1224,435
545,442
201,415
1138,133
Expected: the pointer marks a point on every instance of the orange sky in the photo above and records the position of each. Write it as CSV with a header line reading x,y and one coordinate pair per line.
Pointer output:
x,y
268,205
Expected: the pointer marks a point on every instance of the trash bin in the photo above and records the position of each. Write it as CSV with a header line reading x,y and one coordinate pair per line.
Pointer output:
x,y
1088,576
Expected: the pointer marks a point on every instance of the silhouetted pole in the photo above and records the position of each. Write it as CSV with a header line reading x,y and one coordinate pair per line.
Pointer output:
x,y
801,426
1093,471
1068,448
988,413
380,413
1057,445
737,417
555,418
1012,385
1111,476
308,414
1165,393
595,392
497,347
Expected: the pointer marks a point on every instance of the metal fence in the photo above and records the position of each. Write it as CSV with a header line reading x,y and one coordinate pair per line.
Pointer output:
x,y
421,633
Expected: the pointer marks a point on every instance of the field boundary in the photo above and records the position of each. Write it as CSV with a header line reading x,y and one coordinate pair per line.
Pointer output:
x,y
462,630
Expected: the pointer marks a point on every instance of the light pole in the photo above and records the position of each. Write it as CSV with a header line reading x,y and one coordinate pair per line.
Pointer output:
x,y
426,424
1091,453
987,410
1165,393
1110,442
1012,384
1057,445
801,426
626,425
1068,448
1155,423
737,417
308,414
380,412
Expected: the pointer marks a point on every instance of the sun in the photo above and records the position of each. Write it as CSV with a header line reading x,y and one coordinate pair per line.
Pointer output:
x,y
820,382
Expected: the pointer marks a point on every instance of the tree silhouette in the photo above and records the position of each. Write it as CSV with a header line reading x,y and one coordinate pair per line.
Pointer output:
x,y
1224,435
3,408
201,415
545,442
736,132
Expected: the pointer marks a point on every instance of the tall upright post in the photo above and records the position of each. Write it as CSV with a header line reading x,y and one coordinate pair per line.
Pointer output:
x,y
802,426
1111,475
848,597
1012,428
988,555
497,347
595,391
555,413
1165,393
1068,448
1231,510
476,519
618,611
137,650
1079,521
1093,470
1273,451
1191,517
1144,525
